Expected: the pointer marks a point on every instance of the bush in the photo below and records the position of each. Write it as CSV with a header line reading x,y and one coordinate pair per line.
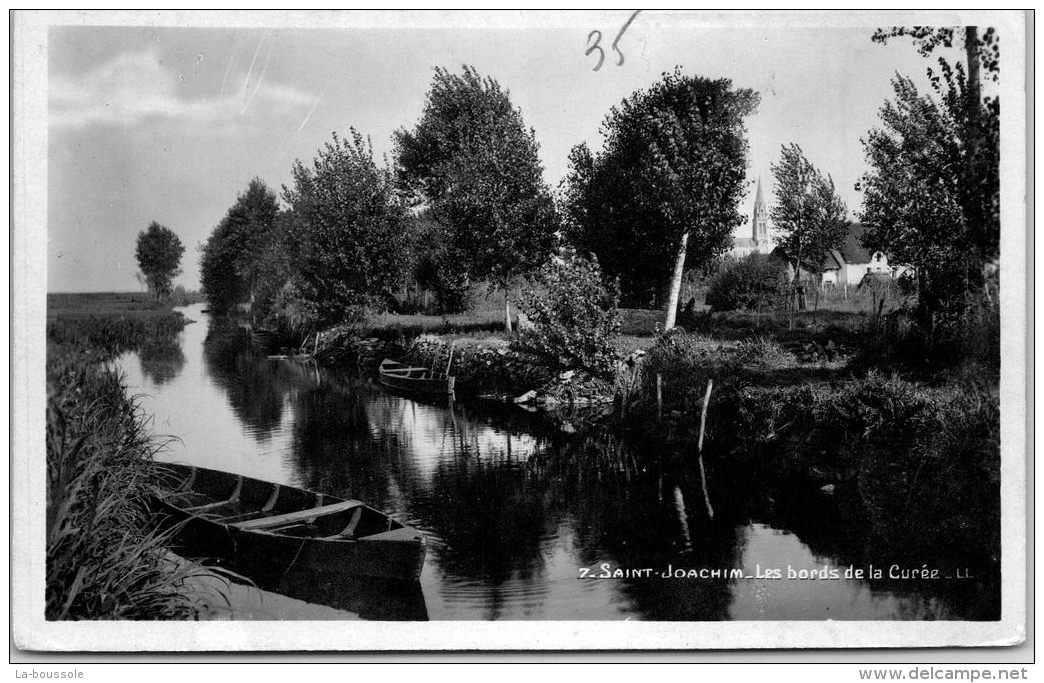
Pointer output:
x,y
762,352
685,362
755,282
574,317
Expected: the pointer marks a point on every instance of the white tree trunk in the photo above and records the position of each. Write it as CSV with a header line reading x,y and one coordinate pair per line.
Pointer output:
x,y
676,282
507,312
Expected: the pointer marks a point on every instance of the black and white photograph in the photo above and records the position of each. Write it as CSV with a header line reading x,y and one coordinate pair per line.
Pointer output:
x,y
518,330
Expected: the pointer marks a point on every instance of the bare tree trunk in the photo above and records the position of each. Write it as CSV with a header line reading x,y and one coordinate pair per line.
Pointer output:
x,y
676,282
815,310
507,311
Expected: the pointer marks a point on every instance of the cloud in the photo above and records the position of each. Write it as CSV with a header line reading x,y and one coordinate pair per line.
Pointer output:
x,y
135,87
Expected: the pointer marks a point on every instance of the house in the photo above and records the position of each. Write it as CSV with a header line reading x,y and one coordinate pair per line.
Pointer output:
x,y
849,264
845,266
758,242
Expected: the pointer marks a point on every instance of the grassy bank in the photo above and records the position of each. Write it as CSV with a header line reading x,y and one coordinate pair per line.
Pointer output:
x,y
847,399
922,458
105,559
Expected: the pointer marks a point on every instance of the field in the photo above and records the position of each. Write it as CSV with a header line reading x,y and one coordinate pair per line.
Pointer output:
x,y
83,304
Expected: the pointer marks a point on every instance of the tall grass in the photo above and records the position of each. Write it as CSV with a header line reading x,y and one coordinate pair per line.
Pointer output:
x,y
106,559
114,334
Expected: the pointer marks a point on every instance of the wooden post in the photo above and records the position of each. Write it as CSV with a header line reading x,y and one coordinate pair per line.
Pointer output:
x,y
659,396
449,363
699,448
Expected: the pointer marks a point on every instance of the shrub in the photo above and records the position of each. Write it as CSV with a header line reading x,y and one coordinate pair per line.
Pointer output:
x,y
755,282
763,352
685,362
574,317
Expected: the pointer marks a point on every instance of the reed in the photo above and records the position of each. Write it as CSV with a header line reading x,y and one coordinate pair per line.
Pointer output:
x,y
113,334
105,558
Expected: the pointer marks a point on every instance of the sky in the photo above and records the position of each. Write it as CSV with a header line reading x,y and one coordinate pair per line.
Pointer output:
x,y
171,123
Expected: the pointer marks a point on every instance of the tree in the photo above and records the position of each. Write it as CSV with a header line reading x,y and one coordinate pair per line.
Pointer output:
x,y
665,188
575,317
231,259
474,163
932,196
808,214
159,255
355,232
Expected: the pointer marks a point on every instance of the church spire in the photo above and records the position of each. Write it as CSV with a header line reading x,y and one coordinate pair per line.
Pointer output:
x,y
759,222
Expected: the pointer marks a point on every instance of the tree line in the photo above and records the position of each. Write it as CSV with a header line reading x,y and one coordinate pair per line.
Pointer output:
x,y
463,200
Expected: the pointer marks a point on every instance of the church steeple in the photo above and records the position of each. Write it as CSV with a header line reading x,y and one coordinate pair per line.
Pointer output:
x,y
759,224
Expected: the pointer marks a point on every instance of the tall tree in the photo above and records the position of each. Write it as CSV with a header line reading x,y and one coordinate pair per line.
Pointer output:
x,y
159,253
808,214
932,195
355,230
474,163
230,260
664,191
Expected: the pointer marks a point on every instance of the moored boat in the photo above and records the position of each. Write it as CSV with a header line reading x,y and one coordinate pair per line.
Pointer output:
x,y
248,521
408,378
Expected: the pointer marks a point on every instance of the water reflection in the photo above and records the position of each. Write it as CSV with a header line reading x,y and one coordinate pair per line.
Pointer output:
x,y
369,598
256,388
514,508
161,360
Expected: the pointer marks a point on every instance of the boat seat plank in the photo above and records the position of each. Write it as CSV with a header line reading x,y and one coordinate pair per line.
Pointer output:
x,y
297,516
349,531
401,534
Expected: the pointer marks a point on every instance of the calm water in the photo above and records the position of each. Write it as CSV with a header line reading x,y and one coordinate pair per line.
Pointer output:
x,y
514,509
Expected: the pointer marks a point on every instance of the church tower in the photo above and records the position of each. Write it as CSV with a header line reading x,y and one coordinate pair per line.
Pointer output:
x,y
760,221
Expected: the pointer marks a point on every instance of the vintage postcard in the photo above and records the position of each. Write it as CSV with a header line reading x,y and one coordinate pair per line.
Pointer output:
x,y
528,330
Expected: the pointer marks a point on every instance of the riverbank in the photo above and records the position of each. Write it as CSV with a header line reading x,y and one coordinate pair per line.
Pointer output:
x,y
837,405
105,558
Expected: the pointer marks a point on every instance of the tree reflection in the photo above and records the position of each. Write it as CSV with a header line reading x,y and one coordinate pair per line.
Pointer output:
x,y
335,448
161,360
634,512
256,387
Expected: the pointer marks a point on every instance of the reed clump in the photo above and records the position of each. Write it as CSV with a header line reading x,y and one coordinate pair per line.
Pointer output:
x,y
113,334
105,557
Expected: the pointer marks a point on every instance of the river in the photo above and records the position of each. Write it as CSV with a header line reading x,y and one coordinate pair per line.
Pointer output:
x,y
524,521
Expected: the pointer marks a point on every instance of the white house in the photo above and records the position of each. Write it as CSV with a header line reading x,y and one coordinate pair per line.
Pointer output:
x,y
848,265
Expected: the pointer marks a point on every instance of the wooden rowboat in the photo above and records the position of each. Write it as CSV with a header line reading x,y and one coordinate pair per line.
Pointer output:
x,y
248,521
408,378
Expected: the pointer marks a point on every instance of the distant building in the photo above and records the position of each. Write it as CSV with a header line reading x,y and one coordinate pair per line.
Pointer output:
x,y
849,264
758,242
845,266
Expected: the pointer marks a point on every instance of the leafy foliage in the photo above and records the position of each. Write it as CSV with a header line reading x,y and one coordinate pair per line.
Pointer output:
x,y
932,196
756,282
354,229
673,163
808,214
231,260
474,163
436,266
575,320
159,253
